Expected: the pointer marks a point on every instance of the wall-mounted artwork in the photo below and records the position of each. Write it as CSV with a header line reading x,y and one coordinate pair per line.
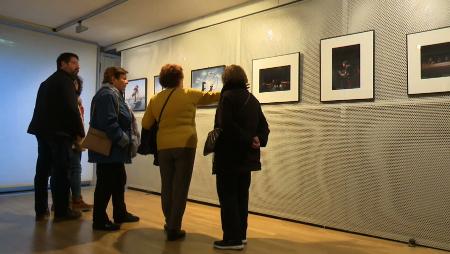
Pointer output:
x,y
347,67
276,79
136,94
429,61
156,85
208,79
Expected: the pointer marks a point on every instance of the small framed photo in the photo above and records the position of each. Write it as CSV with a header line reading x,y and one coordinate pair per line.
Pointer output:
x,y
429,61
136,94
208,79
276,79
347,67
157,87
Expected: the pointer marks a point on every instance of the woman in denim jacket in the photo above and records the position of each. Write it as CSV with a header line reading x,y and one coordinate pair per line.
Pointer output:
x,y
110,114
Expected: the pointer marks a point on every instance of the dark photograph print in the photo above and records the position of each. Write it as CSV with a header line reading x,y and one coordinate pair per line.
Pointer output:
x,y
346,67
275,79
435,60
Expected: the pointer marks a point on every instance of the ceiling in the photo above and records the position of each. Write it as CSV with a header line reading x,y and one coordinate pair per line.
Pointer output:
x,y
124,21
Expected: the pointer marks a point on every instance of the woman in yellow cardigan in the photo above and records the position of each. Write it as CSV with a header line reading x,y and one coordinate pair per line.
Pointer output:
x,y
176,142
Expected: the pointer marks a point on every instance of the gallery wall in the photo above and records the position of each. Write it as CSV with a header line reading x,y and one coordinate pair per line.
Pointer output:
x,y
377,167
26,59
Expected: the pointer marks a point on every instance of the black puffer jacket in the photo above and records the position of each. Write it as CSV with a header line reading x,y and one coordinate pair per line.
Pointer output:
x,y
240,116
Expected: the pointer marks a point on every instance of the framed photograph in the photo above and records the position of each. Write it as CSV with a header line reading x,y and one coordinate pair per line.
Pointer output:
x,y
276,79
347,67
429,61
136,94
156,85
208,79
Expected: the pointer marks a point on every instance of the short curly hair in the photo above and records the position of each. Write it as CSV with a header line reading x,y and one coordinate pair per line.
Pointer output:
x,y
234,76
111,72
170,75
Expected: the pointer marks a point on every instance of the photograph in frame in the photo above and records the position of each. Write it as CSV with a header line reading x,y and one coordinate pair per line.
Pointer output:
x,y
347,67
429,61
276,79
208,79
136,94
157,85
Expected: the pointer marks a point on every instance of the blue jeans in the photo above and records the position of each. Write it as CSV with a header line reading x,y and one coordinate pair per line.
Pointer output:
x,y
75,174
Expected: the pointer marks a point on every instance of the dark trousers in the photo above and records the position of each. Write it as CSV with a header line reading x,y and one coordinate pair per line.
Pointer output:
x,y
61,148
176,167
233,189
43,171
111,180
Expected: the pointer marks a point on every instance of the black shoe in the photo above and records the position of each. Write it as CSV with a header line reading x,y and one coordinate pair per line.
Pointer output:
x,y
108,226
244,241
229,245
43,216
127,218
173,235
165,227
70,215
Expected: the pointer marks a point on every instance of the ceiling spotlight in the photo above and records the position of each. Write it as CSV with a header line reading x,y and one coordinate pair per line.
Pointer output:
x,y
80,28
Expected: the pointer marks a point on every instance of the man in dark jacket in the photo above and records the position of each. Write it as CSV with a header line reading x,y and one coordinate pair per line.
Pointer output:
x,y
56,123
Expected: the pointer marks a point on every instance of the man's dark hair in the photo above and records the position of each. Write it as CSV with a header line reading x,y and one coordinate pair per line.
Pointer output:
x,y
65,57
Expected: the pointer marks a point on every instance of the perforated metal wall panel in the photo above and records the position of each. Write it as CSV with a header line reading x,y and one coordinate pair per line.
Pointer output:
x,y
379,168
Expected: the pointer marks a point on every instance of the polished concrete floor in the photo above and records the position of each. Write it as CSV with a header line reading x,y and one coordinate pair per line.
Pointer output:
x,y
19,233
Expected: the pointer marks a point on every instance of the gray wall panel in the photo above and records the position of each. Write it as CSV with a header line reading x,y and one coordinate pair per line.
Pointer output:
x,y
378,168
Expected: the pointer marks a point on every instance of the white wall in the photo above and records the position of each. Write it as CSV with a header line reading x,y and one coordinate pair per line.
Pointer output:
x,y
26,59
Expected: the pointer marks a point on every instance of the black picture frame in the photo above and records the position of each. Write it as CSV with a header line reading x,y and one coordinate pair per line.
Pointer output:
x,y
365,90
136,94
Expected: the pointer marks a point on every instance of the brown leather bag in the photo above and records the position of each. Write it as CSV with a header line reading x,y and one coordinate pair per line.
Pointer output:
x,y
97,141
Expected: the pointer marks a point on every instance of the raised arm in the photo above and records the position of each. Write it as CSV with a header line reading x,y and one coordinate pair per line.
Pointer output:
x,y
204,98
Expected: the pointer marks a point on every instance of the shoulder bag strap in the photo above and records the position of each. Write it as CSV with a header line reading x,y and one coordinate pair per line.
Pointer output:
x,y
165,103
117,102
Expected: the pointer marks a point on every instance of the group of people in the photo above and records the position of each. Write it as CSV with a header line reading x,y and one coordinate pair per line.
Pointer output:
x,y
57,124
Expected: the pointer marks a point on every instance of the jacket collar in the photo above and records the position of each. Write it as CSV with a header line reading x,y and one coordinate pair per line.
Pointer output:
x,y
65,73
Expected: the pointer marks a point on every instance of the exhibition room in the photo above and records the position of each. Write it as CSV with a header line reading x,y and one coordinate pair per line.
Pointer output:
x,y
259,126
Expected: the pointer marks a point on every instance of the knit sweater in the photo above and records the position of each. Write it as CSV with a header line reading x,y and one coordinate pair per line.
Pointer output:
x,y
177,127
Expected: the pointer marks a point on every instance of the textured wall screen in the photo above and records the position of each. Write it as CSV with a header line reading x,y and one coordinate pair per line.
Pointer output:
x,y
379,168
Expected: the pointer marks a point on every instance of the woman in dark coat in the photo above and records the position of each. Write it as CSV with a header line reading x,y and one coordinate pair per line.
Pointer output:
x,y
237,153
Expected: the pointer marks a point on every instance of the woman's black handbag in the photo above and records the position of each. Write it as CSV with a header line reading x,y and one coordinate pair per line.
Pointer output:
x,y
148,137
211,140
148,140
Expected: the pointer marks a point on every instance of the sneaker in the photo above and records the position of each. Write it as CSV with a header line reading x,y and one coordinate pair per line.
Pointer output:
x,y
79,204
173,235
43,216
107,226
127,218
229,245
71,215
244,241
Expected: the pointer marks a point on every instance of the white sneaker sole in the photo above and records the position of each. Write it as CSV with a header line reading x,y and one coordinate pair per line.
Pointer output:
x,y
233,247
